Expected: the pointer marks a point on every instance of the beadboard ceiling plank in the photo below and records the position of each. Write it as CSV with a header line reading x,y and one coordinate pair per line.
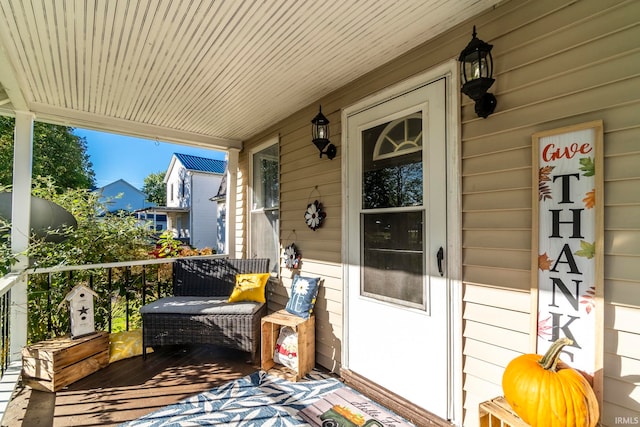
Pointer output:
x,y
220,71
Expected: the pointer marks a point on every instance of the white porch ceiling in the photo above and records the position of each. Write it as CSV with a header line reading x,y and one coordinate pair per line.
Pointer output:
x,y
200,71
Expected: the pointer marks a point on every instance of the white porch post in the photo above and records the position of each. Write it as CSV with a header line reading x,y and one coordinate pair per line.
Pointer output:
x,y
232,195
20,227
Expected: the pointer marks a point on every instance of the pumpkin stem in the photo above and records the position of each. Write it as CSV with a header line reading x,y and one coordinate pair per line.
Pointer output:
x,y
550,358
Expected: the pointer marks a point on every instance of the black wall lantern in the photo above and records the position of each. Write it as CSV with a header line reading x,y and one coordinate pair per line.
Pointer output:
x,y
320,132
476,69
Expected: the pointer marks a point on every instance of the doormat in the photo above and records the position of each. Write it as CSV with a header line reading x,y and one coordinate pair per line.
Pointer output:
x,y
346,408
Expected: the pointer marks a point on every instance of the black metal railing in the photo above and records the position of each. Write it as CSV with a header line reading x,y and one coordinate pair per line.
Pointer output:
x,y
122,288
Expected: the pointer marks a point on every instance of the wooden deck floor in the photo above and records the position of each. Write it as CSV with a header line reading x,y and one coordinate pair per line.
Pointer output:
x,y
128,389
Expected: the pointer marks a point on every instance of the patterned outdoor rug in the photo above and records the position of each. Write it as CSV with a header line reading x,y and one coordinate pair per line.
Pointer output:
x,y
257,400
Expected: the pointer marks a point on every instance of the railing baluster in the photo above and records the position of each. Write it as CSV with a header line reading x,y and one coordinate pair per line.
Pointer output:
x,y
49,319
7,313
96,303
127,283
144,285
5,329
110,292
158,269
3,341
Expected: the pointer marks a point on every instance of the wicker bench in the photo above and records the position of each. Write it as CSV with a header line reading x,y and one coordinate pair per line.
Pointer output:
x,y
198,311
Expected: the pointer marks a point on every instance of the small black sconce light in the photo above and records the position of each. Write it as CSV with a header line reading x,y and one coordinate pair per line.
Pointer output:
x,y
320,132
476,69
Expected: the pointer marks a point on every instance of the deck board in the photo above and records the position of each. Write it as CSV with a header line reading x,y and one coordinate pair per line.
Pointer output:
x,y
129,389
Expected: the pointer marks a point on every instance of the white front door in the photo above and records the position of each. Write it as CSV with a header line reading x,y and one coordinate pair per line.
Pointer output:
x,y
396,287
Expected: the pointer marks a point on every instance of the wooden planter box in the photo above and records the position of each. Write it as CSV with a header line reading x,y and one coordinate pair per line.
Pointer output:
x,y
53,364
306,330
497,413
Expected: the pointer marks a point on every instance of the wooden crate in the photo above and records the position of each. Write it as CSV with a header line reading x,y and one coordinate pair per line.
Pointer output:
x,y
53,364
497,413
306,329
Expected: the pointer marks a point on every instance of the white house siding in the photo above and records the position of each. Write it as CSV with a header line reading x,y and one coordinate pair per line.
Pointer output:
x,y
175,198
557,63
204,212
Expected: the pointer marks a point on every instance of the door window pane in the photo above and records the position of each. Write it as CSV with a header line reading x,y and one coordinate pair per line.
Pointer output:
x,y
392,217
392,258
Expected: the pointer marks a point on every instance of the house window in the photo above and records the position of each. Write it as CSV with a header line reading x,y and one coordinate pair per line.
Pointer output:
x,y
171,193
265,204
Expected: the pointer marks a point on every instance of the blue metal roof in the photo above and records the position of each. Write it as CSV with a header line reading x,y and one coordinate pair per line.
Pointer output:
x,y
202,164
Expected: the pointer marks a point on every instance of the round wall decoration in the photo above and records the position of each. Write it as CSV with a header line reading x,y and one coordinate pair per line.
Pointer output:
x,y
291,257
314,215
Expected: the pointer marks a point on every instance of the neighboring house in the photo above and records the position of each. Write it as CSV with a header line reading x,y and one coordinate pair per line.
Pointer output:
x,y
191,215
122,196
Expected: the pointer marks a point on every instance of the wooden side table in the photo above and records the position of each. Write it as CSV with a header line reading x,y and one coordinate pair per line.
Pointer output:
x,y
306,331
52,364
497,413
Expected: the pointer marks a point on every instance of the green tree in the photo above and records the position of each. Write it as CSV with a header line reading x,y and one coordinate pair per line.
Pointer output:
x,y
7,258
57,153
155,188
96,239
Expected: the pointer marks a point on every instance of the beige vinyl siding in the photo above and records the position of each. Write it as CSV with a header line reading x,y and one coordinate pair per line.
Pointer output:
x,y
496,329
557,63
301,170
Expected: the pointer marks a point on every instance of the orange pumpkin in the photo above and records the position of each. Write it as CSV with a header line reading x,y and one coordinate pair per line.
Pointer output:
x,y
546,392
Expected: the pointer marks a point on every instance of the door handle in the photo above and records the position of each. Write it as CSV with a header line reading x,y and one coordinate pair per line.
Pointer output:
x,y
440,257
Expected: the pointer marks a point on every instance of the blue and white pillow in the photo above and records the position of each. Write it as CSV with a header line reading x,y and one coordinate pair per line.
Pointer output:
x,y
304,291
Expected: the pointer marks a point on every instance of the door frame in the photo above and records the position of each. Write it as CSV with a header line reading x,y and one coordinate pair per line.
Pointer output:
x,y
453,256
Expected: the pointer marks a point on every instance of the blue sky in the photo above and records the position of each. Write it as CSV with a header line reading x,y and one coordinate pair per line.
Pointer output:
x,y
117,157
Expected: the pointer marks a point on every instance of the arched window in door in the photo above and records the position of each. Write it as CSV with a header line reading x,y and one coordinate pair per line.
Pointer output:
x,y
399,137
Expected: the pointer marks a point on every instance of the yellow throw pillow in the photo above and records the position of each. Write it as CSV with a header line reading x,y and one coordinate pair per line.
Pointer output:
x,y
125,344
249,287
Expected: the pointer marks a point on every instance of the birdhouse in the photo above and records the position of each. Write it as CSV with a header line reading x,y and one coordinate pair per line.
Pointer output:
x,y
80,301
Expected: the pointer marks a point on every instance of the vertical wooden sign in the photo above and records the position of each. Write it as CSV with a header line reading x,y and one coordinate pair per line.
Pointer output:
x,y
567,252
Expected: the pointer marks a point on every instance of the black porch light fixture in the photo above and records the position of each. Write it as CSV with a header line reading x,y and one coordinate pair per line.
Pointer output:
x,y
320,133
476,70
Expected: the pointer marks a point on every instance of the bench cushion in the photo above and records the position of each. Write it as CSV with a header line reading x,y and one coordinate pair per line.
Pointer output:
x,y
200,305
